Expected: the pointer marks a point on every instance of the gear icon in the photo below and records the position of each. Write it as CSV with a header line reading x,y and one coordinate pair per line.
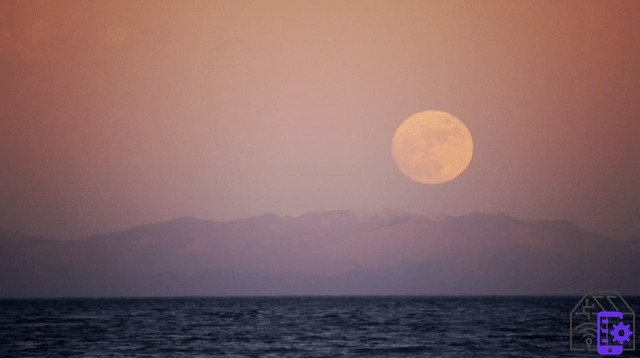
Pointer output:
x,y
621,332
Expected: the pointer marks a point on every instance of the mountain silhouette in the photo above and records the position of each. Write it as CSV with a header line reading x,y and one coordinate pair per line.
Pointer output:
x,y
342,252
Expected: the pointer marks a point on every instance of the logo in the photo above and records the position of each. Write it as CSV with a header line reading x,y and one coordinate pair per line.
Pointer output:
x,y
602,321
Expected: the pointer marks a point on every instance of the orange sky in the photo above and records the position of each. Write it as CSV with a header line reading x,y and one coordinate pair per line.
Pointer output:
x,y
119,113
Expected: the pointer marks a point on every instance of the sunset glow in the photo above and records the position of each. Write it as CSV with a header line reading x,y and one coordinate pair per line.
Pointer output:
x,y
119,113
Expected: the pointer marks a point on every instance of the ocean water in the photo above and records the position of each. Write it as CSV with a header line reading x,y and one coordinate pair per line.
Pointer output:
x,y
296,326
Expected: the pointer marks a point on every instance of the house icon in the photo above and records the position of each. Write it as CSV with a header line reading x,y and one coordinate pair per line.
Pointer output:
x,y
583,327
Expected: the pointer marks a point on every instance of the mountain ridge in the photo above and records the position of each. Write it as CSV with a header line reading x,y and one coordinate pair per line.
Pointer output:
x,y
355,251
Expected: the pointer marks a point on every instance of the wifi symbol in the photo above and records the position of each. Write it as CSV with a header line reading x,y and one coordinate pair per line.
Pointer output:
x,y
587,329
585,332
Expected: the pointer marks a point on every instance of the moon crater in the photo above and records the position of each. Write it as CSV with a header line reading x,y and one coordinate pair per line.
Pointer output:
x,y
432,147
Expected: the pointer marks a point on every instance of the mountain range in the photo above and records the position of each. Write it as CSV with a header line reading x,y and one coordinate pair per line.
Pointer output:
x,y
341,252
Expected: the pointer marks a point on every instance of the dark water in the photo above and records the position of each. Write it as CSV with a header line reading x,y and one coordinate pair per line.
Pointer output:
x,y
410,326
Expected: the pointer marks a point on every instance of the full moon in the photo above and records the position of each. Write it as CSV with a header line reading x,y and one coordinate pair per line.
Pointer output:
x,y
432,147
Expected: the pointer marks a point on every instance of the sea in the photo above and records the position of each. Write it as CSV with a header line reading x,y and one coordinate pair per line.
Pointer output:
x,y
292,326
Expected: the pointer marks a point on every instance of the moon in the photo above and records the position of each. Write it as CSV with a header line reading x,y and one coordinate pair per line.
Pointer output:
x,y
432,147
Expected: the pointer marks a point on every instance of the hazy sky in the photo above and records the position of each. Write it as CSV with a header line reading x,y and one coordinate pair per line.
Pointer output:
x,y
120,113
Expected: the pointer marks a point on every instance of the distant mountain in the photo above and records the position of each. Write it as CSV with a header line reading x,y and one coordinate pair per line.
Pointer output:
x,y
324,252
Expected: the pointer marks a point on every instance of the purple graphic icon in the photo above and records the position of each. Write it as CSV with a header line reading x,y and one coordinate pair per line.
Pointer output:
x,y
605,347
621,336
602,321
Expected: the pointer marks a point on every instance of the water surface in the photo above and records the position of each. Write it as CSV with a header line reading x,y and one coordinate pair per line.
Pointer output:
x,y
358,326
